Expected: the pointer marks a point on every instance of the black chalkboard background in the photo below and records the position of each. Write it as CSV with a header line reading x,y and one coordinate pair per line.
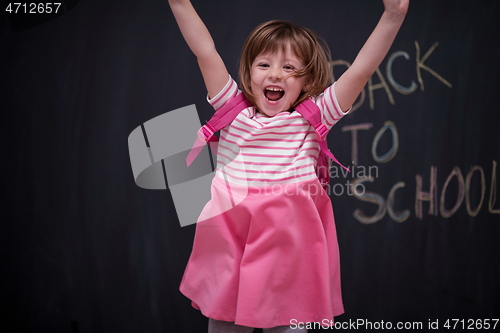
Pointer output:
x,y
83,249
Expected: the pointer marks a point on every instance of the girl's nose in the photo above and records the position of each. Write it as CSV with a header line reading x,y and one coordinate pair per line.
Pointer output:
x,y
274,74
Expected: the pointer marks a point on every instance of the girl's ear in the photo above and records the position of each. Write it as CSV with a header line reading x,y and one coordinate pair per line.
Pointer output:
x,y
307,84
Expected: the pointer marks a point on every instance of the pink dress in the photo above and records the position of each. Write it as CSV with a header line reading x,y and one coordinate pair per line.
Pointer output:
x,y
265,249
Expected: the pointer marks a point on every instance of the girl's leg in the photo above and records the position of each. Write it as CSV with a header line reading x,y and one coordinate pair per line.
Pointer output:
x,y
284,329
218,326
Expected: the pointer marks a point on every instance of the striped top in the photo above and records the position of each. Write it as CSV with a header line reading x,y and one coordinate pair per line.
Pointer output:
x,y
256,150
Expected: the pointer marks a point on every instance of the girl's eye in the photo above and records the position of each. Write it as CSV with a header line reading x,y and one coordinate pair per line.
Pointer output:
x,y
263,65
289,67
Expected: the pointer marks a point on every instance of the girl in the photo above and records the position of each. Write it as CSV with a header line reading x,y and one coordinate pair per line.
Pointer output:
x,y
272,260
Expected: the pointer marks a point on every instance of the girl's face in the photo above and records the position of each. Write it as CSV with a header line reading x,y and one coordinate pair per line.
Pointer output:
x,y
273,84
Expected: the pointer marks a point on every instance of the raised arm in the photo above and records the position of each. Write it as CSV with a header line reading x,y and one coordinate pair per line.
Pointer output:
x,y
350,84
201,43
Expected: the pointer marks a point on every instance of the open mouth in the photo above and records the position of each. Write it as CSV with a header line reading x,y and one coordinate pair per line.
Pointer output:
x,y
274,94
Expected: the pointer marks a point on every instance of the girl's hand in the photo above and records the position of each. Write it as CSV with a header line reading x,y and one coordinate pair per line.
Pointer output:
x,y
398,8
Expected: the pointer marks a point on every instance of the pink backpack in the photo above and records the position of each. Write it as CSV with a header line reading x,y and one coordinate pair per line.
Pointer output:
x,y
226,114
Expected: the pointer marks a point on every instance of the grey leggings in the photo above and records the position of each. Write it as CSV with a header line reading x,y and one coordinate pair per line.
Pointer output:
x,y
217,326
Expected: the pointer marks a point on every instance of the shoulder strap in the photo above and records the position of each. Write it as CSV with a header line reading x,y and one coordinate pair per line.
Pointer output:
x,y
228,112
311,112
222,117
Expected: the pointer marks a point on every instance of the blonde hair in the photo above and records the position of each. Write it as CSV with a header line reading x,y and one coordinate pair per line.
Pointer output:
x,y
271,36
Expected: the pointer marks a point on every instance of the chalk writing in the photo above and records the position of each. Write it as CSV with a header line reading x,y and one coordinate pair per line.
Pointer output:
x,y
420,65
382,84
437,204
368,197
473,212
396,216
493,190
354,145
435,208
399,88
430,196
460,194
388,125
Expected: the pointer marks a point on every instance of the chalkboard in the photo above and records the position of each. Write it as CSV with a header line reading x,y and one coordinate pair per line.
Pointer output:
x,y
84,249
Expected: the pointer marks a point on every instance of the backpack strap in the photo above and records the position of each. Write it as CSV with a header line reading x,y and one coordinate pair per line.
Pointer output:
x,y
228,112
222,117
310,111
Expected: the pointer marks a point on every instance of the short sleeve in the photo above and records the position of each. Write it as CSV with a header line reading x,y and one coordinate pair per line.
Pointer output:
x,y
331,112
229,91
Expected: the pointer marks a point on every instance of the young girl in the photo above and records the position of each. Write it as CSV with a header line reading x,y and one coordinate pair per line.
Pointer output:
x,y
272,260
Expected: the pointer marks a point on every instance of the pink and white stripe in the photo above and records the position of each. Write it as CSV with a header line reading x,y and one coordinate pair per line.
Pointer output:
x,y
256,150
